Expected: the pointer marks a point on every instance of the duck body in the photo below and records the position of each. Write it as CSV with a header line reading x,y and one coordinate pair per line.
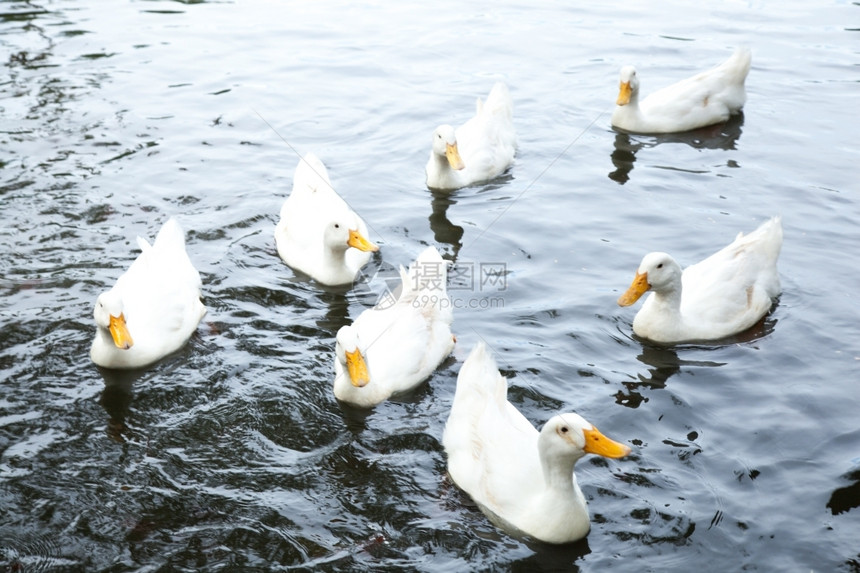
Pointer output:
x,y
318,234
705,99
391,348
522,479
722,295
154,307
479,150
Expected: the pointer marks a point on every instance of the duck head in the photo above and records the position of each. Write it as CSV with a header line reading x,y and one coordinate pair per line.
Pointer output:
x,y
342,233
350,356
108,314
657,271
570,435
628,85
445,145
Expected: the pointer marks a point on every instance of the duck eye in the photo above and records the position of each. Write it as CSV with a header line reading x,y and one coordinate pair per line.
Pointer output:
x,y
564,429
660,266
337,225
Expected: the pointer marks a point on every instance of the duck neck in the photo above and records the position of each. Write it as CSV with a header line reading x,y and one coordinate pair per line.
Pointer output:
x,y
668,299
634,100
104,337
440,163
557,470
559,476
334,258
439,172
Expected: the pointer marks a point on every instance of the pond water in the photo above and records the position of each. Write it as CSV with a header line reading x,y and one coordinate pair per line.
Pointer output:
x,y
234,454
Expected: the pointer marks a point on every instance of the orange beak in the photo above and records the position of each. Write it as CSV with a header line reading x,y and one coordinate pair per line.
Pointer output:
x,y
357,368
453,155
639,287
119,332
359,242
597,443
624,93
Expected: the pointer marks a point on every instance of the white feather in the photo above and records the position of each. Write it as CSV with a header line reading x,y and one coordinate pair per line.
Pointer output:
x,y
314,229
486,143
159,297
707,98
722,295
401,342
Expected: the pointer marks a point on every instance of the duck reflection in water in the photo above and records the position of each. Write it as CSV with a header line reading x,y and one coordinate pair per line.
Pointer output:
x,y
663,361
719,136
116,398
846,498
548,557
444,231
337,305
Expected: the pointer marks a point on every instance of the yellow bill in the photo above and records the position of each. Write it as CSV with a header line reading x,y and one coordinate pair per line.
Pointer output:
x,y
119,332
357,368
360,242
453,155
597,443
639,287
624,94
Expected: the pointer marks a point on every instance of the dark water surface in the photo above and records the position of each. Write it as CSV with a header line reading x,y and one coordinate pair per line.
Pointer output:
x,y
233,453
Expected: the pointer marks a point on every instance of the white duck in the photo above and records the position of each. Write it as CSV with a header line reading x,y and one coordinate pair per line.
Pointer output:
x,y
318,234
722,295
707,98
522,479
392,347
154,307
479,150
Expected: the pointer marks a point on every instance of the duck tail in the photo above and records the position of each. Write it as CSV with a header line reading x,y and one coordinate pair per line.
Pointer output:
x,y
739,63
312,173
479,376
427,275
170,236
774,228
499,101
